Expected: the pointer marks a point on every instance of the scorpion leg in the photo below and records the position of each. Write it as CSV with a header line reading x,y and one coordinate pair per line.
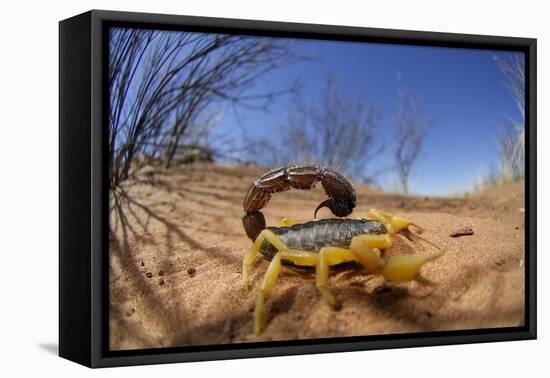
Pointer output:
x,y
286,222
265,234
298,257
366,249
330,256
269,280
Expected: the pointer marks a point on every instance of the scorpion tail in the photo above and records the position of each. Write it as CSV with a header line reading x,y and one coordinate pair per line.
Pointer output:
x,y
303,177
253,223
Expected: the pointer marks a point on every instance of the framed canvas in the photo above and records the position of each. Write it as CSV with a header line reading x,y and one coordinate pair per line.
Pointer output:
x,y
234,188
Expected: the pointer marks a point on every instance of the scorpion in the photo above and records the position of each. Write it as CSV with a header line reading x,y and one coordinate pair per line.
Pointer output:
x,y
320,244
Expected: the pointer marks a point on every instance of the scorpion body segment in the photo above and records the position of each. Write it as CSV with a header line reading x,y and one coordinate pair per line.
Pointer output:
x,y
341,194
312,236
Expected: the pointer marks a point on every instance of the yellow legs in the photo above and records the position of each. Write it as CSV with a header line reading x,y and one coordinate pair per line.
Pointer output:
x,y
365,249
321,261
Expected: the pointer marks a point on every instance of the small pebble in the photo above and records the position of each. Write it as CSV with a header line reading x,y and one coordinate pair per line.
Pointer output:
x,y
161,281
462,232
142,263
191,271
148,274
499,261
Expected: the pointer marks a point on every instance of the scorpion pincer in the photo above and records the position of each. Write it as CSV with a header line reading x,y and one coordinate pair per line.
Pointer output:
x,y
327,242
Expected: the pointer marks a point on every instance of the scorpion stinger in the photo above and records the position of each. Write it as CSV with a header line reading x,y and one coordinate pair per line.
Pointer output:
x,y
341,194
339,207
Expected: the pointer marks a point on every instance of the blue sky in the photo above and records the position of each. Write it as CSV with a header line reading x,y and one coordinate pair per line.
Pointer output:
x,y
461,92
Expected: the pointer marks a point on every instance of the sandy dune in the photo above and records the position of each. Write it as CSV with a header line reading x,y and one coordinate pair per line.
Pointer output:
x,y
177,247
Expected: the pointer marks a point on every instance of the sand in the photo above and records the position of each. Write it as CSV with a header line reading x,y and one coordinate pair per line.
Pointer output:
x,y
177,245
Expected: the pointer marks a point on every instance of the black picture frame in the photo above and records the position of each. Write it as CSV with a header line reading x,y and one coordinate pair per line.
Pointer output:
x,y
83,205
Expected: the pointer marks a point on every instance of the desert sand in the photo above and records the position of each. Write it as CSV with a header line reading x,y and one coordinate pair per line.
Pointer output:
x,y
177,244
